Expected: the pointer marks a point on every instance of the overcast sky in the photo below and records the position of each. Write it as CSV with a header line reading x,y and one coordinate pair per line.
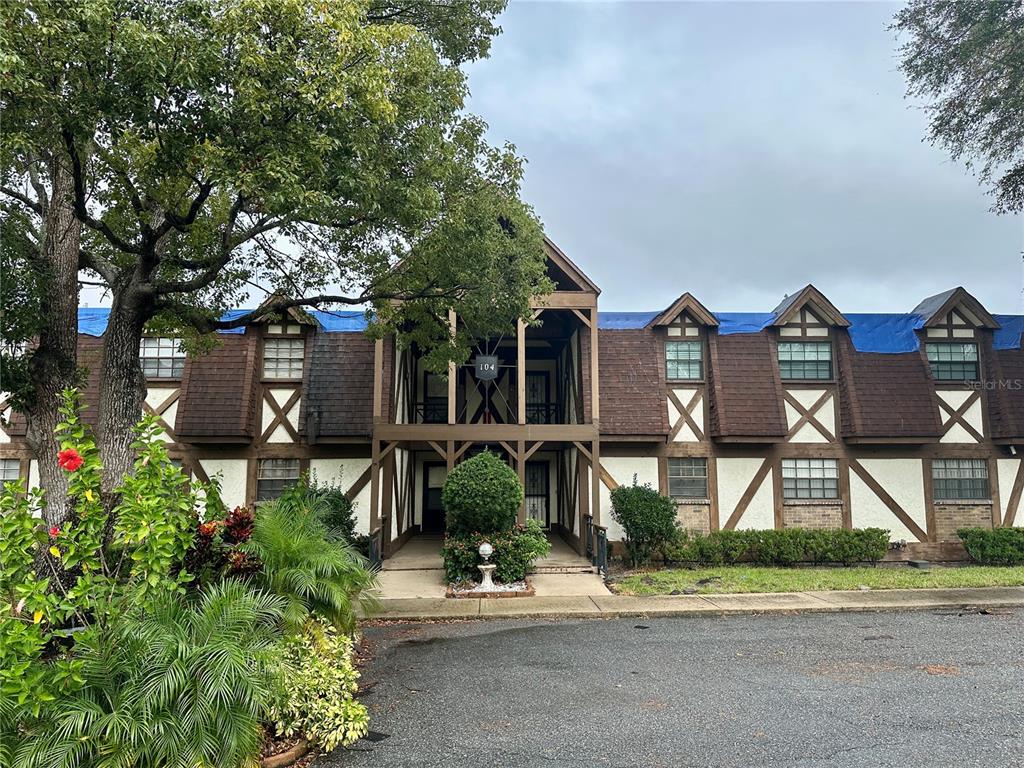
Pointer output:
x,y
738,151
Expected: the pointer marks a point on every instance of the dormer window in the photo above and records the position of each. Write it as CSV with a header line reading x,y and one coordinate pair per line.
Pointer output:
x,y
282,358
953,362
805,360
684,360
161,358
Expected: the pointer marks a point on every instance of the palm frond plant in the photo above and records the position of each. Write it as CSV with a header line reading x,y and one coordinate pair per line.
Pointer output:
x,y
313,571
186,683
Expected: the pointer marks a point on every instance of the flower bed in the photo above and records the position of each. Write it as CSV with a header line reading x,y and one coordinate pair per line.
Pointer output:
x,y
464,589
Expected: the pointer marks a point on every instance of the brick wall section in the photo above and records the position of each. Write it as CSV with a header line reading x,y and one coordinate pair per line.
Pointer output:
x,y
695,518
949,517
936,552
817,516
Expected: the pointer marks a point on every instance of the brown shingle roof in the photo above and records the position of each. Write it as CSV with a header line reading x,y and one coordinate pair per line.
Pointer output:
x,y
339,387
218,392
632,383
746,393
1006,397
885,395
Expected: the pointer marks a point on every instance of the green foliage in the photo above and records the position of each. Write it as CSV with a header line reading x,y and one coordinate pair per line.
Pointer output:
x,y
302,563
318,688
647,517
994,546
514,551
297,144
481,495
87,572
182,683
965,59
784,547
329,502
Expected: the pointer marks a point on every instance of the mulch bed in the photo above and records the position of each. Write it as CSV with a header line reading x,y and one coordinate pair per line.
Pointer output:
x,y
280,751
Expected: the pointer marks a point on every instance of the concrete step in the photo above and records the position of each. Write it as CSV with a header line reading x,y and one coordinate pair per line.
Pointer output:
x,y
564,568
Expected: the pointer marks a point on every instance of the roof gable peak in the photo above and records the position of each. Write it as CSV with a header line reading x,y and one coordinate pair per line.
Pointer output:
x,y
685,303
790,307
934,309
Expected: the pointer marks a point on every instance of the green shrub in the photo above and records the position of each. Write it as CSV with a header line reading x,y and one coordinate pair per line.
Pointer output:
x,y
996,546
318,688
783,547
328,502
481,495
514,551
647,517
184,682
303,563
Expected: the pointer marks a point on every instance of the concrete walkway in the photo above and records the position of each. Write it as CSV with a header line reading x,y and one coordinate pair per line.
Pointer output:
x,y
609,605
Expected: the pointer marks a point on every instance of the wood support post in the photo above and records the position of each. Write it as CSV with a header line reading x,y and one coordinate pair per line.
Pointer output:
x,y
583,493
378,380
449,455
595,401
452,371
521,370
388,499
521,470
595,480
374,485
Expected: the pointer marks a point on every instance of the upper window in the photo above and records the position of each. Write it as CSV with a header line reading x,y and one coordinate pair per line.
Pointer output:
x,y
10,469
688,478
800,360
282,358
161,358
274,476
810,479
683,360
953,362
959,479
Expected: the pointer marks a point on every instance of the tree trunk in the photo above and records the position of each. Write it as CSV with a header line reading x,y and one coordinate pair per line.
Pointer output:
x,y
55,360
122,388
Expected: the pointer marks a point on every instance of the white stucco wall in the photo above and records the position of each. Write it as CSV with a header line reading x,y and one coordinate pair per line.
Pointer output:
x,y
232,478
342,473
903,479
1007,470
622,469
734,475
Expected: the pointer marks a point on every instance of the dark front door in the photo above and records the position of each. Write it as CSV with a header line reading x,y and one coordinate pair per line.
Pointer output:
x,y
433,512
537,492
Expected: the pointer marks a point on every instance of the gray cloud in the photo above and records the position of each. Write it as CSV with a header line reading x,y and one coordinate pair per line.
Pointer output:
x,y
738,151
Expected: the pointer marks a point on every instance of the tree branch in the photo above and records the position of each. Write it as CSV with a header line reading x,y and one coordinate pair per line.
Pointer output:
x,y
25,200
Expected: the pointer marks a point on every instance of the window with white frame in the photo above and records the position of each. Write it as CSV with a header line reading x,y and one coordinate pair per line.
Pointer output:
x,y
684,360
953,362
161,358
810,479
282,358
805,360
688,478
10,470
274,475
960,479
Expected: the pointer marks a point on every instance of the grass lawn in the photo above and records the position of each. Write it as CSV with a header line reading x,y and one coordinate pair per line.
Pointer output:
x,y
739,578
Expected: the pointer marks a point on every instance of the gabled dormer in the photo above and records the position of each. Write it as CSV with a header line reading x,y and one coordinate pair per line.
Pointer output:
x,y
683,328
806,322
952,325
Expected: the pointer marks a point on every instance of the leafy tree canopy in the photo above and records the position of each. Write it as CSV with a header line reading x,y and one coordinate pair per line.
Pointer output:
x,y
966,59
316,149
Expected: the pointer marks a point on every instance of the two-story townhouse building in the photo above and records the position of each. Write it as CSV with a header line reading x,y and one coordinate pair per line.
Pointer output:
x,y
802,416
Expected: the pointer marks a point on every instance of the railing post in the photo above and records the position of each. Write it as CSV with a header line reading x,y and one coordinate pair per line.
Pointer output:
x,y
376,545
602,550
588,524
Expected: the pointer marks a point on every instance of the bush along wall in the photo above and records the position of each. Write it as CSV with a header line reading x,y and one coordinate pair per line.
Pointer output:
x,y
787,546
995,546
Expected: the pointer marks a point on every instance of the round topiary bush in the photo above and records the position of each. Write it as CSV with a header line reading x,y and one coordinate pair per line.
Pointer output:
x,y
481,495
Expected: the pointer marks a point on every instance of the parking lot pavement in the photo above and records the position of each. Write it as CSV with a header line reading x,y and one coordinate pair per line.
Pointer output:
x,y
939,688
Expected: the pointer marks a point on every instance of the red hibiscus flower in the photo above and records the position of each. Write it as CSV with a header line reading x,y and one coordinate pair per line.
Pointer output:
x,y
69,459
54,532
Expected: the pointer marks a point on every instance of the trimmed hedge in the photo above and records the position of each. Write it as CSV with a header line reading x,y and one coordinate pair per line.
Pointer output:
x,y
647,517
481,495
994,546
514,550
787,546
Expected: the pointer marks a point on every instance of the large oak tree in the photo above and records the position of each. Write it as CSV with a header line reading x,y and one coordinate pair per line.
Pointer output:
x,y
193,155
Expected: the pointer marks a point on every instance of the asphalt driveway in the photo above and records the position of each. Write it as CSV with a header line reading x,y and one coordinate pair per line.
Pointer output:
x,y
857,689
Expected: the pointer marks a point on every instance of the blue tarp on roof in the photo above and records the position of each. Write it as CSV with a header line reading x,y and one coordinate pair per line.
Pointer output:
x,y
1008,335
624,321
888,333
743,322
92,321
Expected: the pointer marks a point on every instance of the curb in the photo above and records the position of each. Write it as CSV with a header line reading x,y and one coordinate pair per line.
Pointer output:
x,y
748,604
